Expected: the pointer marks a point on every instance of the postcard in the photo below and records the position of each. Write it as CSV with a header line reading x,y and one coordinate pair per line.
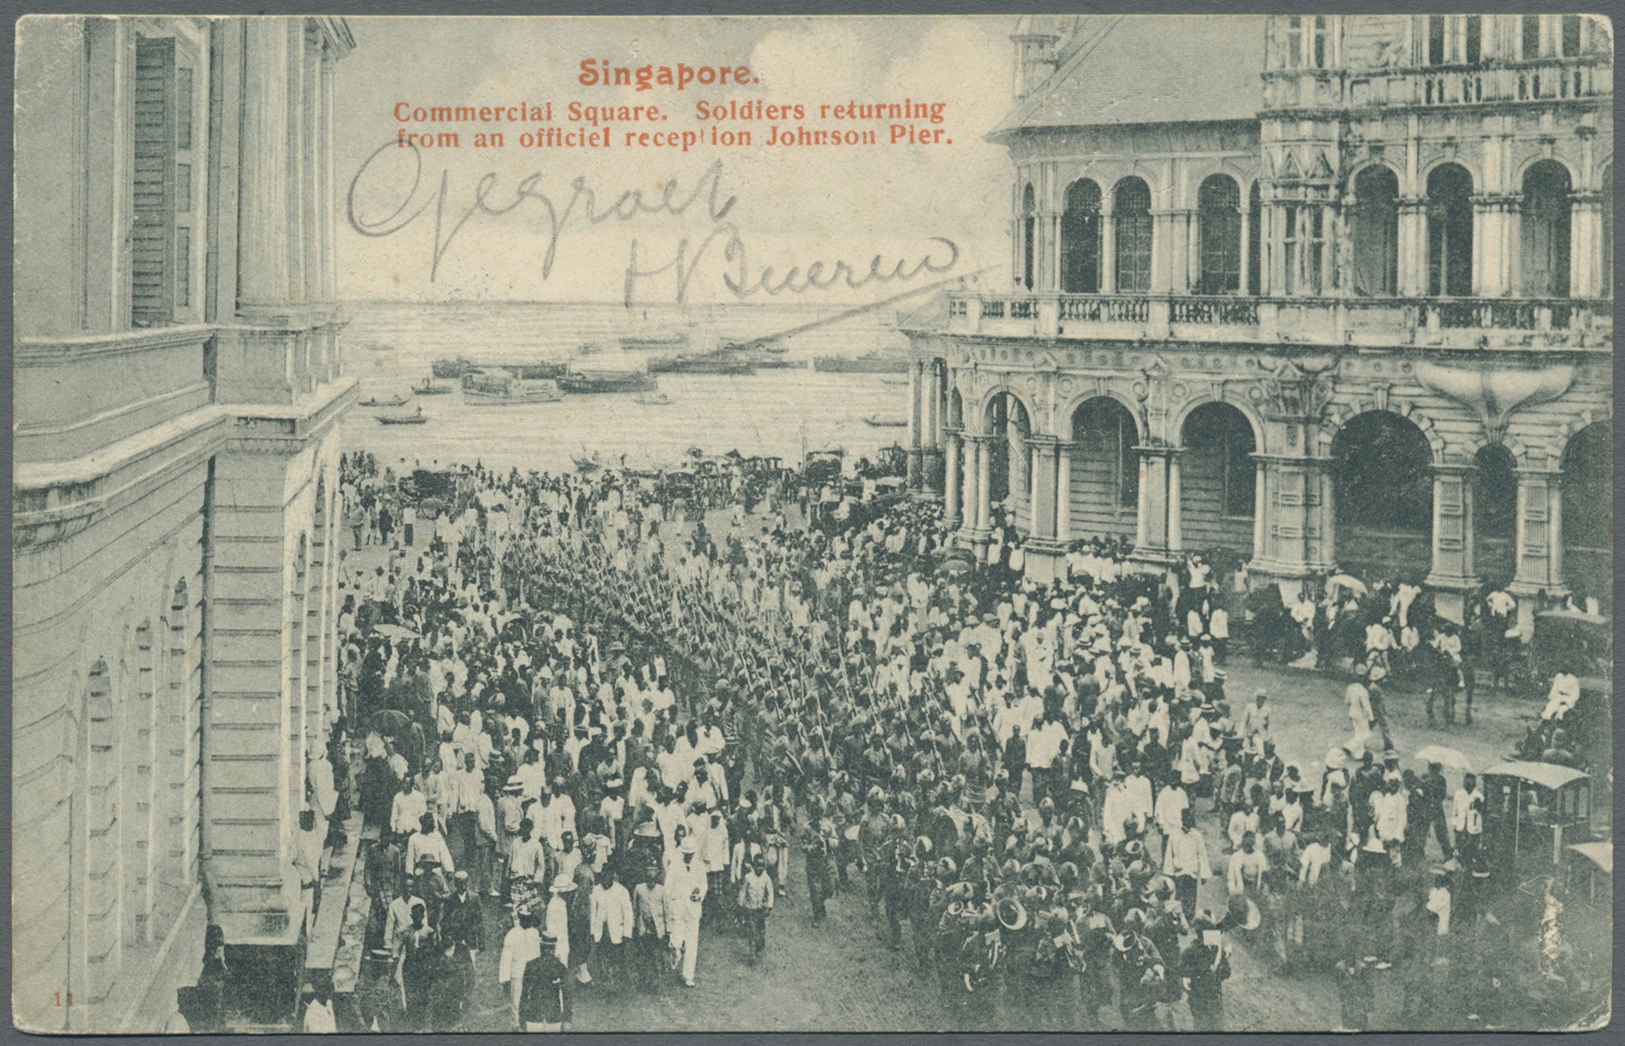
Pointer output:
x,y
898,523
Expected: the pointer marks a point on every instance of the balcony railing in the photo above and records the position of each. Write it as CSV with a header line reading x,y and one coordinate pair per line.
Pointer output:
x,y
1353,321
1546,80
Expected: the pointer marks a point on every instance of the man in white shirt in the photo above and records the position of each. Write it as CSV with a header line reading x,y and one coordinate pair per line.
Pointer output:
x,y
408,809
686,888
611,918
1467,819
427,845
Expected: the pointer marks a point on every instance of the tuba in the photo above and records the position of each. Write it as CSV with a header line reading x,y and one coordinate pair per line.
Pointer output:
x,y
1012,914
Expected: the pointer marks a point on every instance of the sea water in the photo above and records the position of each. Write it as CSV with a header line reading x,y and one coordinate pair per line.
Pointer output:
x,y
780,413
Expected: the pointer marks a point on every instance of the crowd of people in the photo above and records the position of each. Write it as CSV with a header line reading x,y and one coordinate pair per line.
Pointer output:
x,y
623,736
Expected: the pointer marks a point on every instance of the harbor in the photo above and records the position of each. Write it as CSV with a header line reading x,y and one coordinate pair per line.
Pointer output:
x,y
779,406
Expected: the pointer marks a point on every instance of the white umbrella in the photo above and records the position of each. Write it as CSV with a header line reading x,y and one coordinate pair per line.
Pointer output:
x,y
1449,758
1348,581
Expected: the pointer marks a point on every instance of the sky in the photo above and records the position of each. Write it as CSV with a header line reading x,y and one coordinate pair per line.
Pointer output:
x,y
938,210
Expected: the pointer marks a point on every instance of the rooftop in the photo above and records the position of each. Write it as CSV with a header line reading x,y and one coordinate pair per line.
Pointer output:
x,y
1131,69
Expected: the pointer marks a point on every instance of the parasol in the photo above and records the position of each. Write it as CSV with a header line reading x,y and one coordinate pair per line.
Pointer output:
x,y
1446,757
1348,581
389,722
395,632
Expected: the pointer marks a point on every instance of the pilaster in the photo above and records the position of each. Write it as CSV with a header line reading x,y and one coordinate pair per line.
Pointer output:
x,y
1453,573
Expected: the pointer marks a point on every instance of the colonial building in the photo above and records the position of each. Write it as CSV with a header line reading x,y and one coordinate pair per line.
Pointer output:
x,y
177,383
1320,292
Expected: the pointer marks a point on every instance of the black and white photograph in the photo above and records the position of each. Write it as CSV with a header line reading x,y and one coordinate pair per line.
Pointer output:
x,y
900,523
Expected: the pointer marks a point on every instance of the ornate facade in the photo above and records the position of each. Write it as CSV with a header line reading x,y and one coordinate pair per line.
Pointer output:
x,y
1342,303
177,383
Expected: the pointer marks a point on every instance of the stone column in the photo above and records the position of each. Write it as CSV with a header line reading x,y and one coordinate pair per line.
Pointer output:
x,y
1108,246
1413,240
984,484
1585,246
329,282
967,478
311,177
1164,251
262,275
916,371
1538,539
1452,574
1153,534
1261,478
294,143
1293,534
1045,488
1176,539
951,482
1063,494
931,426
1246,252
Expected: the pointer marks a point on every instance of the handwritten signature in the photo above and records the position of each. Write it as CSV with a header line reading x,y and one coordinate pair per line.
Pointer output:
x,y
743,284
583,208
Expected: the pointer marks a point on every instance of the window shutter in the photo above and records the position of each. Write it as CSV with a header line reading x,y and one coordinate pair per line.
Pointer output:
x,y
152,262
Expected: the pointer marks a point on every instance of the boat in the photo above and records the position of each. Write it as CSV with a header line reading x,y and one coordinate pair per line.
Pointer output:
x,y
499,389
592,381
429,388
884,423
393,401
869,363
654,340
534,370
710,363
766,359
590,349
653,399
403,419
894,381
455,367
587,464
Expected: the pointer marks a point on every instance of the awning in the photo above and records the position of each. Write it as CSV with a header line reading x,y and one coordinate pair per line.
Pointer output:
x,y
1599,854
1547,775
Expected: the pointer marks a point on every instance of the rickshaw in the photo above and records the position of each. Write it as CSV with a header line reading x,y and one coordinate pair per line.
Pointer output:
x,y
1535,801
1582,645
1591,873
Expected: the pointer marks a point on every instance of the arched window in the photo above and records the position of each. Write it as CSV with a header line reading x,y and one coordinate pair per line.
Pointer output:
x,y
1218,478
1218,218
1080,239
1450,231
1383,496
1588,518
1007,473
1495,513
1105,466
1028,227
1131,217
1376,232
1545,231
